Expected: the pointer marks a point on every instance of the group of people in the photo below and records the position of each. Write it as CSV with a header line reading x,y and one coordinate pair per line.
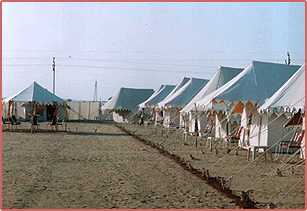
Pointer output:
x,y
153,114
34,123
11,117
11,120
33,115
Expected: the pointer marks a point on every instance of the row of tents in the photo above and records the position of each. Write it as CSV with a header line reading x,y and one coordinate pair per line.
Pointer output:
x,y
259,100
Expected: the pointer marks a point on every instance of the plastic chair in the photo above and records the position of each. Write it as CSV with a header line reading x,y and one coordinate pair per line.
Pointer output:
x,y
13,121
207,131
236,137
3,122
54,122
295,142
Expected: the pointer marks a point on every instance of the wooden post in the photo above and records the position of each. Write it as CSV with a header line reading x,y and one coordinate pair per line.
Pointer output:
x,y
56,114
211,134
259,134
89,111
8,116
79,113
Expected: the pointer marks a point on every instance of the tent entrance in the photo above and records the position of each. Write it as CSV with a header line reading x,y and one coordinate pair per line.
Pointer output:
x,y
50,112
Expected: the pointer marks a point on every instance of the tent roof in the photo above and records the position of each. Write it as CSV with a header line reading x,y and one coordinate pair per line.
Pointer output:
x,y
158,96
257,82
34,92
177,87
185,93
128,99
220,77
291,96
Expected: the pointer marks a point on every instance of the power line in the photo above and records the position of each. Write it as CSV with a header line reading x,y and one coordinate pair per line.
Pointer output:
x,y
122,68
137,61
20,65
151,52
120,61
27,58
129,60
104,67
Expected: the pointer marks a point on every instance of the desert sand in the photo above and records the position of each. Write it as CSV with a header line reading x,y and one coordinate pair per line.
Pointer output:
x,y
98,166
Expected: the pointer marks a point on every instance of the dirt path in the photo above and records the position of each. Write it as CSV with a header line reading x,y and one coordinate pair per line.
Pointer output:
x,y
260,176
88,170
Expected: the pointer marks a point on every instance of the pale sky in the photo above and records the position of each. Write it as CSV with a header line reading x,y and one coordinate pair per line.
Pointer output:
x,y
140,45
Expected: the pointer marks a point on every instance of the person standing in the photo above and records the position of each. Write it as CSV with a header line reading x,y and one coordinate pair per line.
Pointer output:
x,y
142,117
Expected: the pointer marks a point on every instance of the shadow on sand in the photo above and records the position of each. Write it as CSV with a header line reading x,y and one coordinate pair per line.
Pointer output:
x,y
96,134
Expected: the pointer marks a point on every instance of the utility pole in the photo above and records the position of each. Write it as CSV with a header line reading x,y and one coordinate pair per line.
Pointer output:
x,y
289,60
99,111
53,68
95,92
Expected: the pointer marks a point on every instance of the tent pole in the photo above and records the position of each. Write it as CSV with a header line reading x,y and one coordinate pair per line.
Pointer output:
x,y
53,68
56,114
211,134
259,135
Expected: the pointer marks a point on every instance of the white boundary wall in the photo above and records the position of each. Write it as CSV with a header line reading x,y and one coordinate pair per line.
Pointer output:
x,y
85,110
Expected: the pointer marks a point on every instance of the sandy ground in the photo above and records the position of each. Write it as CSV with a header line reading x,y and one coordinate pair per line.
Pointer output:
x,y
245,174
97,166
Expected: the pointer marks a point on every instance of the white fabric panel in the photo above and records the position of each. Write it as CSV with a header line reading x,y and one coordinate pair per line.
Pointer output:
x,y
257,82
128,98
158,96
221,77
221,125
290,95
121,116
184,92
34,92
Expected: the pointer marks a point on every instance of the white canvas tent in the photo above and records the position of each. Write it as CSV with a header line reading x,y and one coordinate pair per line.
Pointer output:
x,y
220,77
267,128
126,101
257,82
182,94
158,96
177,87
160,113
45,100
290,97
